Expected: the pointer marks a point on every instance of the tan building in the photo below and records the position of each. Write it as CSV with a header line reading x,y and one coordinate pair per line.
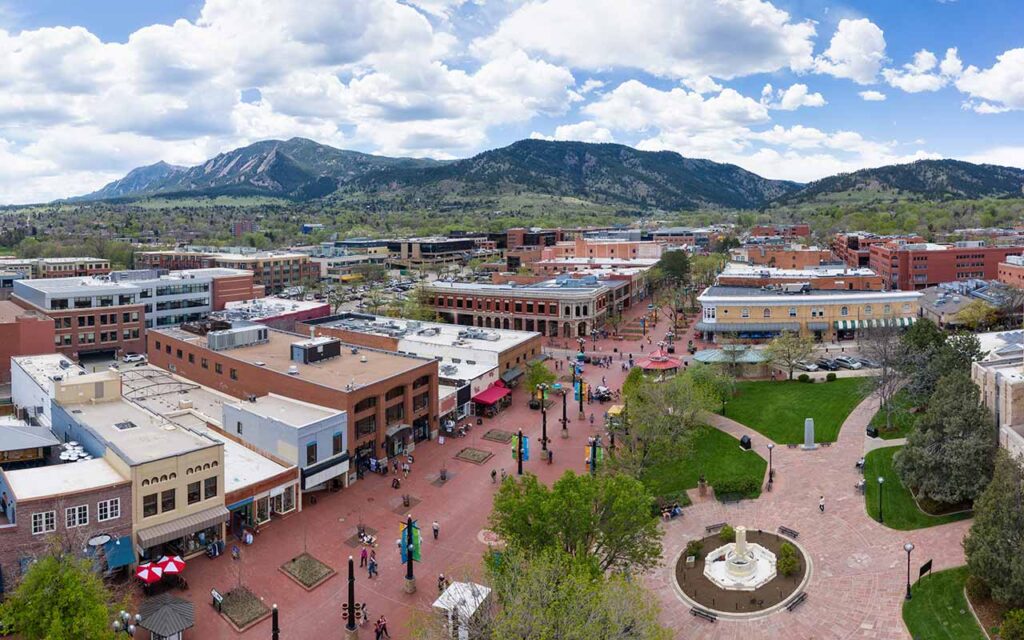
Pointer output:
x,y
1000,378
759,315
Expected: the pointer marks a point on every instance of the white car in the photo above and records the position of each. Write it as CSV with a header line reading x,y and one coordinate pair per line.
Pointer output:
x,y
134,357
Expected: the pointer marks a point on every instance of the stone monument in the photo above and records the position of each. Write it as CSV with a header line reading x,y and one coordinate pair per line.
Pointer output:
x,y
808,435
740,566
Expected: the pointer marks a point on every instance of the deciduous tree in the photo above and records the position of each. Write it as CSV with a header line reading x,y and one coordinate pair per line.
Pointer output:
x,y
886,346
788,349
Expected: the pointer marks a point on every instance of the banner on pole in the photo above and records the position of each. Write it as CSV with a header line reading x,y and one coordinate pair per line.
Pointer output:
x,y
526,448
416,540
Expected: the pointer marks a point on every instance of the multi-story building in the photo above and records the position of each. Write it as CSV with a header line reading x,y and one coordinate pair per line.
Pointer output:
x,y
697,237
63,505
565,306
279,313
22,332
757,314
791,231
1000,378
737,274
855,248
272,270
785,256
1011,271
390,398
56,267
241,227
34,381
910,266
7,280
427,252
557,266
603,249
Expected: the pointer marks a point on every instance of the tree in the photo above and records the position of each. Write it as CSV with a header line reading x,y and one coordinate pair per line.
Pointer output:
x,y
949,455
978,315
417,306
60,598
788,563
925,366
671,300
538,373
706,268
1012,627
718,385
886,346
675,267
606,518
733,350
788,349
994,542
553,595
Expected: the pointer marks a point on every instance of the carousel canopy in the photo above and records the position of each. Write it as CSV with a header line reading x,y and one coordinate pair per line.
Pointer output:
x,y
660,360
731,354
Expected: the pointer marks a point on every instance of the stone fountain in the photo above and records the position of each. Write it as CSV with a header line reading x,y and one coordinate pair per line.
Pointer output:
x,y
739,566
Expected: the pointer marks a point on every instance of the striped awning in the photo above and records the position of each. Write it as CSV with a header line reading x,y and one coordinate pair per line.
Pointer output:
x,y
874,323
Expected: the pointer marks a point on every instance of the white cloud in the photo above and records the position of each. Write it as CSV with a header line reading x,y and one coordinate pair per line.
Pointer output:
x,y
703,84
797,96
585,131
1006,156
998,88
856,51
872,96
591,85
674,38
921,75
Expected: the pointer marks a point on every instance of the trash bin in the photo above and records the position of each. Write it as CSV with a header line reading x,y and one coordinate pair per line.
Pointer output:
x,y
872,432
745,442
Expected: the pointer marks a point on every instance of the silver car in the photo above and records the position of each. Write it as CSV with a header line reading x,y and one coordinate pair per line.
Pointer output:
x,y
804,365
847,362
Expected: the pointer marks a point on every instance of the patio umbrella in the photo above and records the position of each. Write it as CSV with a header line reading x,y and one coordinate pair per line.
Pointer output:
x,y
149,572
171,565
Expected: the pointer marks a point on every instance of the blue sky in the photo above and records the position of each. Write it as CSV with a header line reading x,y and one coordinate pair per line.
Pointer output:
x,y
788,89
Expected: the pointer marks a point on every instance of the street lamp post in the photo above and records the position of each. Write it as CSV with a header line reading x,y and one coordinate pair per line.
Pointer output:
x,y
519,453
881,482
350,624
543,417
275,628
565,415
126,622
771,471
593,456
908,548
408,541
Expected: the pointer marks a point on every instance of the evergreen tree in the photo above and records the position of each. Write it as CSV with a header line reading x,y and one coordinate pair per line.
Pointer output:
x,y
993,545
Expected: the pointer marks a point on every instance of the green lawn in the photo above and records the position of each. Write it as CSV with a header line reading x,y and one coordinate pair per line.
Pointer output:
x,y
938,610
778,409
898,506
715,454
902,420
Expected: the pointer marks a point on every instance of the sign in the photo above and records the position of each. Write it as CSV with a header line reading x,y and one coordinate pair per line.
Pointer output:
x,y
600,454
526,448
925,568
416,540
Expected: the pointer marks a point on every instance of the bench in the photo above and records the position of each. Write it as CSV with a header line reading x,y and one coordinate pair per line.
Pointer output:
x,y
712,528
792,446
797,601
217,600
786,531
701,613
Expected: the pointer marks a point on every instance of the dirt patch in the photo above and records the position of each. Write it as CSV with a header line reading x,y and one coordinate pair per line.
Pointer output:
x,y
497,435
989,613
243,608
692,581
932,508
476,456
355,542
307,571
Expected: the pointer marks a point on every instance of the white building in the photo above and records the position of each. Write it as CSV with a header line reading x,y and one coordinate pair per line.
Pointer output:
x,y
33,384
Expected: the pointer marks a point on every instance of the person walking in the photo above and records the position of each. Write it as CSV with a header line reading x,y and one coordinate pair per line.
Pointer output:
x,y
371,569
384,627
437,529
363,556
503,474
377,630
494,476
821,504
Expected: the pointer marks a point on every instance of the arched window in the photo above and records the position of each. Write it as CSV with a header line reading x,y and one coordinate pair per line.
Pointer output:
x,y
844,311
867,309
767,312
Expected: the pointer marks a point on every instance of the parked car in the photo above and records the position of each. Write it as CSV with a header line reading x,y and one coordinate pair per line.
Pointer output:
x,y
805,365
867,363
847,362
827,364
134,357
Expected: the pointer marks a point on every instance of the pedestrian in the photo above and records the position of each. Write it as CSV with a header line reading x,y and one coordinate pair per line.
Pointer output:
x,y
371,569
394,463
405,470
551,456
377,630
503,474
494,476
604,381
363,556
641,347
384,627
365,614
821,504
441,584
591,419
437,529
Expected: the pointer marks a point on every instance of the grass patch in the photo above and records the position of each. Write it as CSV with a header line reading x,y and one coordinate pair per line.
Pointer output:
x,y
715,454
243,608
938,610
903,421
898,506
307,570
778,409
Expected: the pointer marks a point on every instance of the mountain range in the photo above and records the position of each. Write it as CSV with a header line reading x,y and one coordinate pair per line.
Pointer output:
x,y
614,174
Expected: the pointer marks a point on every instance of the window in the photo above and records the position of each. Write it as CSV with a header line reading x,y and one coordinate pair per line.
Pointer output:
x,y
867,309
709,313
366,426
44,522
745,312
204,363
210,487
108,509
394,414
76,516
310,453
191,358
336,444
157,345
844,311
149,504
218,368
792,312
233,373
767,313
192,492
238,427
887,309
396,392
906,306
167,500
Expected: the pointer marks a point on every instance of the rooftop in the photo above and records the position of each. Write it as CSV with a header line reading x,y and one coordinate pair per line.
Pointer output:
x,y
546,286
88,284
719,291
337,373
62,479
16,435
293,413
9,312
742,269
268,307
43,368
432,333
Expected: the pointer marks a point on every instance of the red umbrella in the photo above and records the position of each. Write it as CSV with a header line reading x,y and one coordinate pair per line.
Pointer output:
x,y
173,564
149,572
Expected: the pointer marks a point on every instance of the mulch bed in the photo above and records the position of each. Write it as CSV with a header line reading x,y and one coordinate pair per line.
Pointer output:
x,y
497,435
706,593
438,482
242,608
476,456
306,570
932,508
355,542
990,613
401,508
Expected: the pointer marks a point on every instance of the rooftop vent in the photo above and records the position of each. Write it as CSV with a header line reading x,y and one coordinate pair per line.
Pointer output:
x,y
362,359
125,426
293,370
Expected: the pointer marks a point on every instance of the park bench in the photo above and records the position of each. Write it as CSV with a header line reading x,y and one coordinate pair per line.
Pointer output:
x,y
797,601
712,528
786,531
701,613
792,446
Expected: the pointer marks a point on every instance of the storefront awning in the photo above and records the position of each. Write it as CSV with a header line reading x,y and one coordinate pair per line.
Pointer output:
x,y
512,374
182,526
491,395
119,552
747,326
396,429
874,323
817,326
327,470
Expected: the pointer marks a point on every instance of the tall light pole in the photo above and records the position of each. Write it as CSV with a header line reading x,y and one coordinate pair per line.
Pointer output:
x,y
881,482
519,453
771,471
565,417
275,628
350,624
126,622
543,389
908,548
410,545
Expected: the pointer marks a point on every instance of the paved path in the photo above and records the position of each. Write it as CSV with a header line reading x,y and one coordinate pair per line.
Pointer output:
x,y
859,576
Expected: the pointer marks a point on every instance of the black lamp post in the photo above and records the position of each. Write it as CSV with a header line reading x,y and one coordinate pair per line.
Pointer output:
x,y
881,482
519,454
543,388
593,456
350,625
126,622
771,471
408,549
908,548
565,416
275,628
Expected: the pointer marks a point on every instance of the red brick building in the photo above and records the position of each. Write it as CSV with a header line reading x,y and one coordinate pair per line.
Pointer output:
x,y
798,230
274,271
22,333
907,266
1011,272
782,256
855,248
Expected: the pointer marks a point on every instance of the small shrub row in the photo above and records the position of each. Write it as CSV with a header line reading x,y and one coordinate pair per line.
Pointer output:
x,y
788,562
694,547
747,487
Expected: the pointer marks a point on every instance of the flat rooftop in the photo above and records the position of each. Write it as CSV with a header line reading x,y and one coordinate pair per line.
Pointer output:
x,y
62,479
85,284
42,368
9,312
429,333
336,373
270,307
720,291
742,269
594,261
546,286
293,413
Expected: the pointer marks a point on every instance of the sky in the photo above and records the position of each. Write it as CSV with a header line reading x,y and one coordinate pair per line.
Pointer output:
x,y
796,89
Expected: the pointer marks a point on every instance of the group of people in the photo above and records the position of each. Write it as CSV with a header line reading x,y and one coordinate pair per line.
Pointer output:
x,y
669,512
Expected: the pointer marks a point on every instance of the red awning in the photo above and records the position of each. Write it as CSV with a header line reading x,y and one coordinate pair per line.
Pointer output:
x,y
659,361
491,395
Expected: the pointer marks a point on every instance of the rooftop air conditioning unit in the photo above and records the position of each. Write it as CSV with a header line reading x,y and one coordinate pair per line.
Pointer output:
x,y
362,359
293,370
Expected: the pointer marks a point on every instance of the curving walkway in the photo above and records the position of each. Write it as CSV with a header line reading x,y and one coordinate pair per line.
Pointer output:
x,y
859,576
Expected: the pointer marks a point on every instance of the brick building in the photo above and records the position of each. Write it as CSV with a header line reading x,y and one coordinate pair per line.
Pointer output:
x,y
390,398
909,266
273,270
793,231
738,274
1011,272
786,256
855,248
56,267
22,333
601,249
279,313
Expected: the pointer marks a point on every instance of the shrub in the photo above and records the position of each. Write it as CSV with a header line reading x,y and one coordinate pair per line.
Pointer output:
x,y
693,548
830,376
746,487
977,589
1013,625
788,562
803,377
727,534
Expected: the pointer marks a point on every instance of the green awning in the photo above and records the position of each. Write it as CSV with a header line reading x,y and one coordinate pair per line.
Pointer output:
x,y
119,552
511,374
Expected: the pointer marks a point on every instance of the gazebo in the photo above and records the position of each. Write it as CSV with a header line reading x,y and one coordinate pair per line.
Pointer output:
x,y
166,617
736,355
660,362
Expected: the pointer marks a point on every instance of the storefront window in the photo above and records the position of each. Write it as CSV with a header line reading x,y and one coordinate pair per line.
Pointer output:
x,y
263,509
210,487
167,501
288,499
149,505
197,541
194,494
